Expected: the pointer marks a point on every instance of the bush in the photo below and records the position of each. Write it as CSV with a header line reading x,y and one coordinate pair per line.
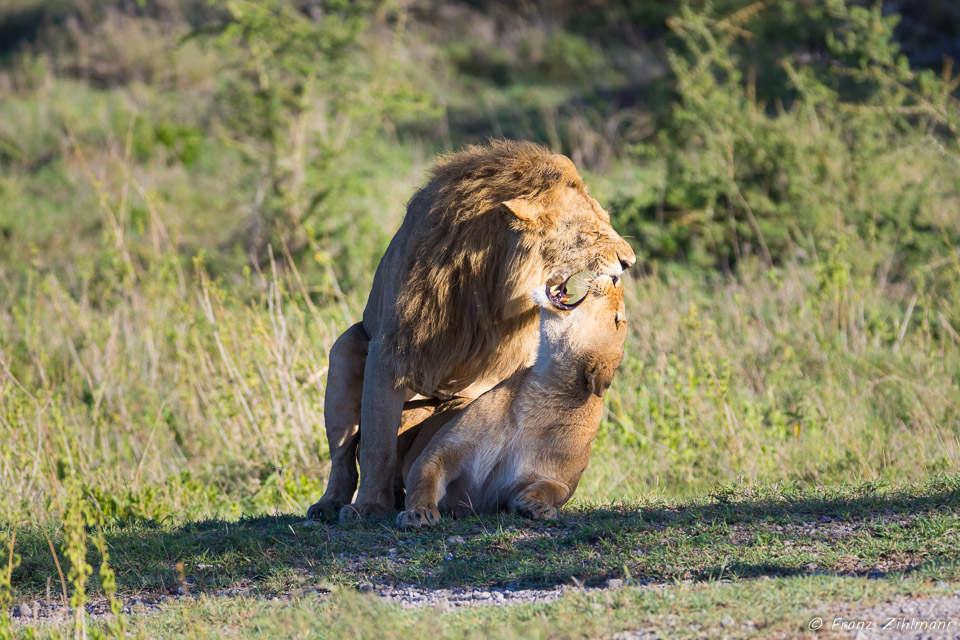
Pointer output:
x,y
742,178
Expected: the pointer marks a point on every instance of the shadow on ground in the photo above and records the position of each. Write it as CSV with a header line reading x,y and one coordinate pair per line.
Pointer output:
x,y
735,534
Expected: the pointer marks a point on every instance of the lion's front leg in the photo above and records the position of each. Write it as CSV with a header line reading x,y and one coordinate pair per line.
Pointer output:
x,y
381,409
341,409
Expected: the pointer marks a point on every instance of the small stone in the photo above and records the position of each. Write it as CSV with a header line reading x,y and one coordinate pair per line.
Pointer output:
x,y
454,540
25,610
614,583
481,595
942,584
726,621
365,587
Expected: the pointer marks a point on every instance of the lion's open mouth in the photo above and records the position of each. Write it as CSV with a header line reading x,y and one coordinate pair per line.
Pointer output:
x,y
571,292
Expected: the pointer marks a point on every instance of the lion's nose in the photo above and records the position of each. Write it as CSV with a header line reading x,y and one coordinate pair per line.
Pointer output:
x,y
625,263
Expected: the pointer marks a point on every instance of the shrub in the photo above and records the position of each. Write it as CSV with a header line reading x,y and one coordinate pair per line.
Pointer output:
x,y
741,177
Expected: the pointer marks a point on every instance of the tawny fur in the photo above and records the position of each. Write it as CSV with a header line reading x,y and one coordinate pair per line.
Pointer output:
x,y
524,444
474,288
449,313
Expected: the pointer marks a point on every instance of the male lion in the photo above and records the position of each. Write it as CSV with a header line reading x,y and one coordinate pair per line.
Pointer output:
x,y
525,443
450,312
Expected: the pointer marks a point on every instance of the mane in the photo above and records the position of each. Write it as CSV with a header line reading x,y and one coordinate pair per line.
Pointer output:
x,y
465,299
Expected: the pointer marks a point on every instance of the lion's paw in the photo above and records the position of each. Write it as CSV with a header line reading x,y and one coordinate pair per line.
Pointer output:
x,y
418,517
362,511
535,509
325,509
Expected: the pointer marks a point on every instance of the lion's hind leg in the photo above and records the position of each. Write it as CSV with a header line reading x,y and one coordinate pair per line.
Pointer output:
x,y
341,409
540,500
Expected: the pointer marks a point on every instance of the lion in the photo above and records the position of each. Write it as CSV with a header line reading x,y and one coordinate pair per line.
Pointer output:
x,y
524,444
449,314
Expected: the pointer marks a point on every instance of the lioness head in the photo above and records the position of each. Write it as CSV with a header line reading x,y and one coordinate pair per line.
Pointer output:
x,y
583,325
568,228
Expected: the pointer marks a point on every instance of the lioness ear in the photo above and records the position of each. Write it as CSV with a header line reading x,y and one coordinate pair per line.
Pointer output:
x,y
599,376
524,209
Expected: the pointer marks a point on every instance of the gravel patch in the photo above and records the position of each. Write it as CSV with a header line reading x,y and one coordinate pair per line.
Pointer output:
x,y
405,595
447,599
927,618
904,618
54,611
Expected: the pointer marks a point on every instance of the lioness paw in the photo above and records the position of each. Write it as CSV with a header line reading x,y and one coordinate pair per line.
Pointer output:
x,y
418,517
535,509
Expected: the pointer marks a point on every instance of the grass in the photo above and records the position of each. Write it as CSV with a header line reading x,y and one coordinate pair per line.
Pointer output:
x,y
180,246
794,549
177,396
738,534
781,608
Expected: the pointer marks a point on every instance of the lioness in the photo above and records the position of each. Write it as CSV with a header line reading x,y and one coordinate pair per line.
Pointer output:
x,y
525,443
450,312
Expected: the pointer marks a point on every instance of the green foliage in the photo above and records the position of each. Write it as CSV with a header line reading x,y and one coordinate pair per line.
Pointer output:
x,y
293,97
746,178
181,248
74,550
7,544
83,524
194,197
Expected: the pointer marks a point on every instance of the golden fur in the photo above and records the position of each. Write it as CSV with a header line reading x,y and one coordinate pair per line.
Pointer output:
x,y
525,443
449,313
474,288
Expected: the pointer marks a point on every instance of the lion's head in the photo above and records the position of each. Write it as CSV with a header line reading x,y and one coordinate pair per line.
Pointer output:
x,y
568,228
492,223
583,327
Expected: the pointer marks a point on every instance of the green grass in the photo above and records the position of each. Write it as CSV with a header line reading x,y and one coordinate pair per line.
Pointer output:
x,y
186,227
759,609
735,534
771,555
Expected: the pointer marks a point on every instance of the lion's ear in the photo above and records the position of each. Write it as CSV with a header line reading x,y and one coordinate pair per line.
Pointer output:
x,y
599,376
526,210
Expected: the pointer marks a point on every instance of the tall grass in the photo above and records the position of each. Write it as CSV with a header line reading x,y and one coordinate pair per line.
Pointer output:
x,y
171,393
172,278
790,326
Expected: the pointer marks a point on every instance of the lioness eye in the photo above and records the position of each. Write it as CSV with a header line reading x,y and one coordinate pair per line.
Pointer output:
x,y
578,286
